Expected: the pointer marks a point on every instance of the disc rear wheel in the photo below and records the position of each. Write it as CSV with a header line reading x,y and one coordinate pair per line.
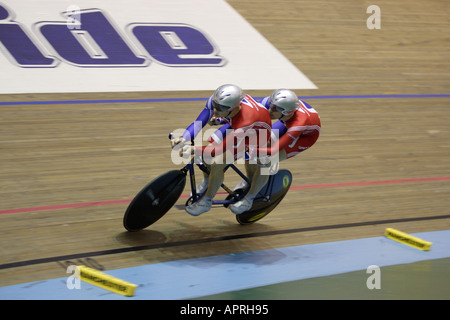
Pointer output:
x,y
274,191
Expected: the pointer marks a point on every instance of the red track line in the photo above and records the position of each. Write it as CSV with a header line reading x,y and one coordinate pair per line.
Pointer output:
x,y
365,183
311,186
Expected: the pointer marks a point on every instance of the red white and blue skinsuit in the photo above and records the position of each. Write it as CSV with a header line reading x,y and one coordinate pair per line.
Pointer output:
x,y
297,134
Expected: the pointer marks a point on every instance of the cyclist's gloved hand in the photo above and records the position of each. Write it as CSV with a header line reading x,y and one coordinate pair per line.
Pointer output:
x,y
215,121
179,141
187,151
261,160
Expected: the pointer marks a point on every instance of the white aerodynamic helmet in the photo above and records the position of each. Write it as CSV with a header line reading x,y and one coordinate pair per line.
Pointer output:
x,y
227,97
284,101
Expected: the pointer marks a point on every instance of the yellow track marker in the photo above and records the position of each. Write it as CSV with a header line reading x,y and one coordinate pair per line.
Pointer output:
x,y
105,281
407,239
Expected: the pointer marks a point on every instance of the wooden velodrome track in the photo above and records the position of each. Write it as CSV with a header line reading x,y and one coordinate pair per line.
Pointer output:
x,y
93,158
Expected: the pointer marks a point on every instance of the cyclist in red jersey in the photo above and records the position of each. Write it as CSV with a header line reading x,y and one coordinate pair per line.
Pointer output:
x,y
250,127
301,120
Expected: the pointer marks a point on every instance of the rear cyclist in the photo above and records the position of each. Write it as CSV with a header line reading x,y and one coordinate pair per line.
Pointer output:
x,y
302,124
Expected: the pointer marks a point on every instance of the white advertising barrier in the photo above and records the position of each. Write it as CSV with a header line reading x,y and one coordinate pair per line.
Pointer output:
x,y
135,45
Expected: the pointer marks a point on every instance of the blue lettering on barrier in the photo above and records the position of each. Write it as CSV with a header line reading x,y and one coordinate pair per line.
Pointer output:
x,y
20,47
96,42
176,45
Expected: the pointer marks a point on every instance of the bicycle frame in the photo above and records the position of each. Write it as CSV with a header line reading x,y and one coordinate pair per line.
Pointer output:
x,y
234,197
158,196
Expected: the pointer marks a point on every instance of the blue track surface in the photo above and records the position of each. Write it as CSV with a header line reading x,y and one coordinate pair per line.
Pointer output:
x,y
191,278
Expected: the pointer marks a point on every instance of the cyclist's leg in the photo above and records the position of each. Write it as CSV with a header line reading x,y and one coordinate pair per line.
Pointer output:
x,y
258,181
203,185
259,177
216,175
216,136
282,155
215,180
249,170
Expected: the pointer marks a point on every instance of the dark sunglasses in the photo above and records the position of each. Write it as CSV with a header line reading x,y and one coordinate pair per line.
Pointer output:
x,y
275,108
220,107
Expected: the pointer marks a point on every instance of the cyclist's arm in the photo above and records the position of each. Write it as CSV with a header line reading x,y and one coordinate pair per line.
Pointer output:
x,y
279,125
280,144
194,128
215,148
265,102
219,134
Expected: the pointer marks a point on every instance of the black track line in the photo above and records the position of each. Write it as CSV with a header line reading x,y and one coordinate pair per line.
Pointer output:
x,y
214,239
